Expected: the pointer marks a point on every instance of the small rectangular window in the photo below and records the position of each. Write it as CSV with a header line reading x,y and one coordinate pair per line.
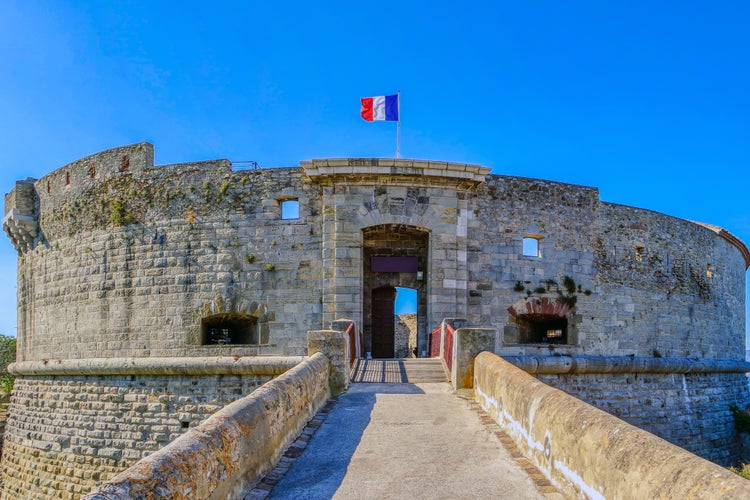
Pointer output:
x,y
531,246
290,209
710,271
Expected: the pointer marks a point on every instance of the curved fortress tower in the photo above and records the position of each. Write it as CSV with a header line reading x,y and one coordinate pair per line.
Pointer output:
x,y
136,282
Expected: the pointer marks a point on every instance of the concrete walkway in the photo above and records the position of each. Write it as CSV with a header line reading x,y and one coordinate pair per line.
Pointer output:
x,y
414,441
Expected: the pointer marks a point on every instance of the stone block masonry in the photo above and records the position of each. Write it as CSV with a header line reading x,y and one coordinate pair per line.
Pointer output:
x,y
130,259
67,433
681,400
129,263
587,452
689,410
232,450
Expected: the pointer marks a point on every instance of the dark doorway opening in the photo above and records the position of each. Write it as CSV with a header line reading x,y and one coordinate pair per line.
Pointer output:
x,y
383,317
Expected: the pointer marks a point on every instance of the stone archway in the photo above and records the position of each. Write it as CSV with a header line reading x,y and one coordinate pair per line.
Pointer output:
x,y
393,255
542,320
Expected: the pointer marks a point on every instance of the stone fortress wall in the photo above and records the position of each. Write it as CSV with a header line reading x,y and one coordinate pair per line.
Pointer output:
x,y
122,260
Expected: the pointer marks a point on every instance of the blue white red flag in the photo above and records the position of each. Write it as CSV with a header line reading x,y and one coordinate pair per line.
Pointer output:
x,y
382,107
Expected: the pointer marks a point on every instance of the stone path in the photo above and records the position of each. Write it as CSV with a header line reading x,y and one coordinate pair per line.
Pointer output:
x,y
393,441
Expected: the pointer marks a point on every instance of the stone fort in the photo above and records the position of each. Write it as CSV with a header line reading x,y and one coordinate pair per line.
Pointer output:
x,y
151,296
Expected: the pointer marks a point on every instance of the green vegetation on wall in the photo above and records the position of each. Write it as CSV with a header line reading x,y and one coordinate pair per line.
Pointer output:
x,y
7,356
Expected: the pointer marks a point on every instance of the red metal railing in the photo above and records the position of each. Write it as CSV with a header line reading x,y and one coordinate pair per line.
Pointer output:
x,y
435,343
355,340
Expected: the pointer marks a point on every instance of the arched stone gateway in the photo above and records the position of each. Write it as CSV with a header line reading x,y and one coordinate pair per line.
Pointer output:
x,y
122,262
393,256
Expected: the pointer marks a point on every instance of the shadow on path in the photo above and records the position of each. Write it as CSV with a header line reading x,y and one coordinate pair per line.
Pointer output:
x,y
320,470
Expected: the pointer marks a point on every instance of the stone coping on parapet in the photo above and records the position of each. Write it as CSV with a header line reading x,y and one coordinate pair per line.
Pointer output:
x,y
556,365
334,167
214,365
723,233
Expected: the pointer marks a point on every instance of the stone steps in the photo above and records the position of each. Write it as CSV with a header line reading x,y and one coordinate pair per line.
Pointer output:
x,y
399,371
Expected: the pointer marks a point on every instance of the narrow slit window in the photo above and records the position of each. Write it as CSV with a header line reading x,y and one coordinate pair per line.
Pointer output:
x,y
531,246
710,271
290,209
639,253
67,178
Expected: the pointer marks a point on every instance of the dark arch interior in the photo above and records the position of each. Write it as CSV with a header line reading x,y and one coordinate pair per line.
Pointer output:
x,y
542,329
229,328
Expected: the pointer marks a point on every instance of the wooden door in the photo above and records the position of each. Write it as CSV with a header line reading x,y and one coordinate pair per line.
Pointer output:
x,y
383,315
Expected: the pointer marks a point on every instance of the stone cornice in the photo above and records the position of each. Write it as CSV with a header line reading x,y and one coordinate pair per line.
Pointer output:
x,y
624,364
395,171
207,365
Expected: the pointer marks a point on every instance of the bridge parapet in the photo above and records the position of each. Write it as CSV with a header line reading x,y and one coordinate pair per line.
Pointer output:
x,y
588,452
335,345
225,455
230,451
467,344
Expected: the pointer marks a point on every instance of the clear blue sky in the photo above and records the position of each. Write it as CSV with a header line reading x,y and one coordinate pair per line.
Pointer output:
x,y
648,101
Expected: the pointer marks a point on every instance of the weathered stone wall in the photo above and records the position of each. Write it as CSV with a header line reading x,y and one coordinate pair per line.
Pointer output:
x,y
507,209
660,302
685,401
689,410
405,335
225,455
130,258
659,287
589,453
130,262
67,433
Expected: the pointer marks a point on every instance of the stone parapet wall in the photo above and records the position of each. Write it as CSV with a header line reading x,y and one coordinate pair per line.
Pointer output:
x,y
632,365
225,455
66,433
685,401
192,366
689,410
587,452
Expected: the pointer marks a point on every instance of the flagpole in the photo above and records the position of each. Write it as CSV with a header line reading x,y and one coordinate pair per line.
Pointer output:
x,y
398,127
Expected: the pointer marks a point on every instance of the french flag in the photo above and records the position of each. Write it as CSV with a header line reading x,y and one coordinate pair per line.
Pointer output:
x,y
381,107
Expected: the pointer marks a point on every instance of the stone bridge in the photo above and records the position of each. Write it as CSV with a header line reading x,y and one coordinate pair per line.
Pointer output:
x,y
399,431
